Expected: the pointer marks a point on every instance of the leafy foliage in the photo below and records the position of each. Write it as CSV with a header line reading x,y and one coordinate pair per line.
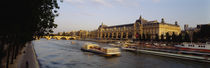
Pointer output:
x,y
162,37
186,37
168,37
156,37
24,19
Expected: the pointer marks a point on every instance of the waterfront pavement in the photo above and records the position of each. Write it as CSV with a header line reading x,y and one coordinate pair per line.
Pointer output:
x,y
26,59
29,59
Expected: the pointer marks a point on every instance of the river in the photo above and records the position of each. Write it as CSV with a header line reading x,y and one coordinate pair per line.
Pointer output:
x,y
63,54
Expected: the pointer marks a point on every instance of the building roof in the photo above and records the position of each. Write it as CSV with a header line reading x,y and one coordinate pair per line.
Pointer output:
x,y
156,22
169,24
141,21
121,25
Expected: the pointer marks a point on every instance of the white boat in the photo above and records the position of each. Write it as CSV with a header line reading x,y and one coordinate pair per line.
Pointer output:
x,y
202,47
115,45
118,42
105,51
129,47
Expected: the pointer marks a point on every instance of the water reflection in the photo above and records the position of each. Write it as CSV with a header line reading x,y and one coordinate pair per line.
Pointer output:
x,y
65,54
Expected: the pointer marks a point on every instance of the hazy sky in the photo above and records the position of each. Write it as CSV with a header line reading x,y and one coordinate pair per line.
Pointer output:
x,y
89,14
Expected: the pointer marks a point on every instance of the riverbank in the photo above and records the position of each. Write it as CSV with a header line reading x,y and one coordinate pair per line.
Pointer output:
x,y
161,49
26,58
29,59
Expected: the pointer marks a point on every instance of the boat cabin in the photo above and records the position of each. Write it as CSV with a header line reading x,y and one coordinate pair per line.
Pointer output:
x,y
106,51
90,46
110,50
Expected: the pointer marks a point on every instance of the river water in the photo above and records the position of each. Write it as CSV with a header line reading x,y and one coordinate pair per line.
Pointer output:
x,y
63,54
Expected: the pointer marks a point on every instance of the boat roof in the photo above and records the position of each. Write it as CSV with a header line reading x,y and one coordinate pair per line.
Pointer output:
x,y
91,44
107,47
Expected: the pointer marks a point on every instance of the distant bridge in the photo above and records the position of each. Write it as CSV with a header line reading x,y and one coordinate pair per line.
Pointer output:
x,y
59,37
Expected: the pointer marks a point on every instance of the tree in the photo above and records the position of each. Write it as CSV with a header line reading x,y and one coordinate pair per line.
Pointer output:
x,y
148,37
180,38
156,37
162,37
168,38
63,34
195,36
32,18
186,37
174,39
203,34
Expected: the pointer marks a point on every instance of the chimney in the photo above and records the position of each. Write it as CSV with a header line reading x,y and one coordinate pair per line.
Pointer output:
x,y
176,23
162,20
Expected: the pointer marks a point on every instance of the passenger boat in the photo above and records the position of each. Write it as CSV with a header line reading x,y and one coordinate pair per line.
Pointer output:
x,y
202,47
105,51
115,45
129,47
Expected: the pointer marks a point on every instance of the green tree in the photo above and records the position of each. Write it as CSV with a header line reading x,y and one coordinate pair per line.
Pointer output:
x,y
162,37
148,38
174,39
156,37
64,34
186,37
168,38
180,38
204,34
195,36
32,18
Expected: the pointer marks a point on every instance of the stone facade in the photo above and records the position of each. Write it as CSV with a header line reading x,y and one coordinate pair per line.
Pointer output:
x,y
135,30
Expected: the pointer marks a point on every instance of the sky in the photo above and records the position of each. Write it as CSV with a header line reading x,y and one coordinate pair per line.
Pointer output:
x,y
89,14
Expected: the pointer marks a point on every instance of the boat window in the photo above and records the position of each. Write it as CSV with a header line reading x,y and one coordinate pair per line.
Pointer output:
x,y
203,46
114,50
190,45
